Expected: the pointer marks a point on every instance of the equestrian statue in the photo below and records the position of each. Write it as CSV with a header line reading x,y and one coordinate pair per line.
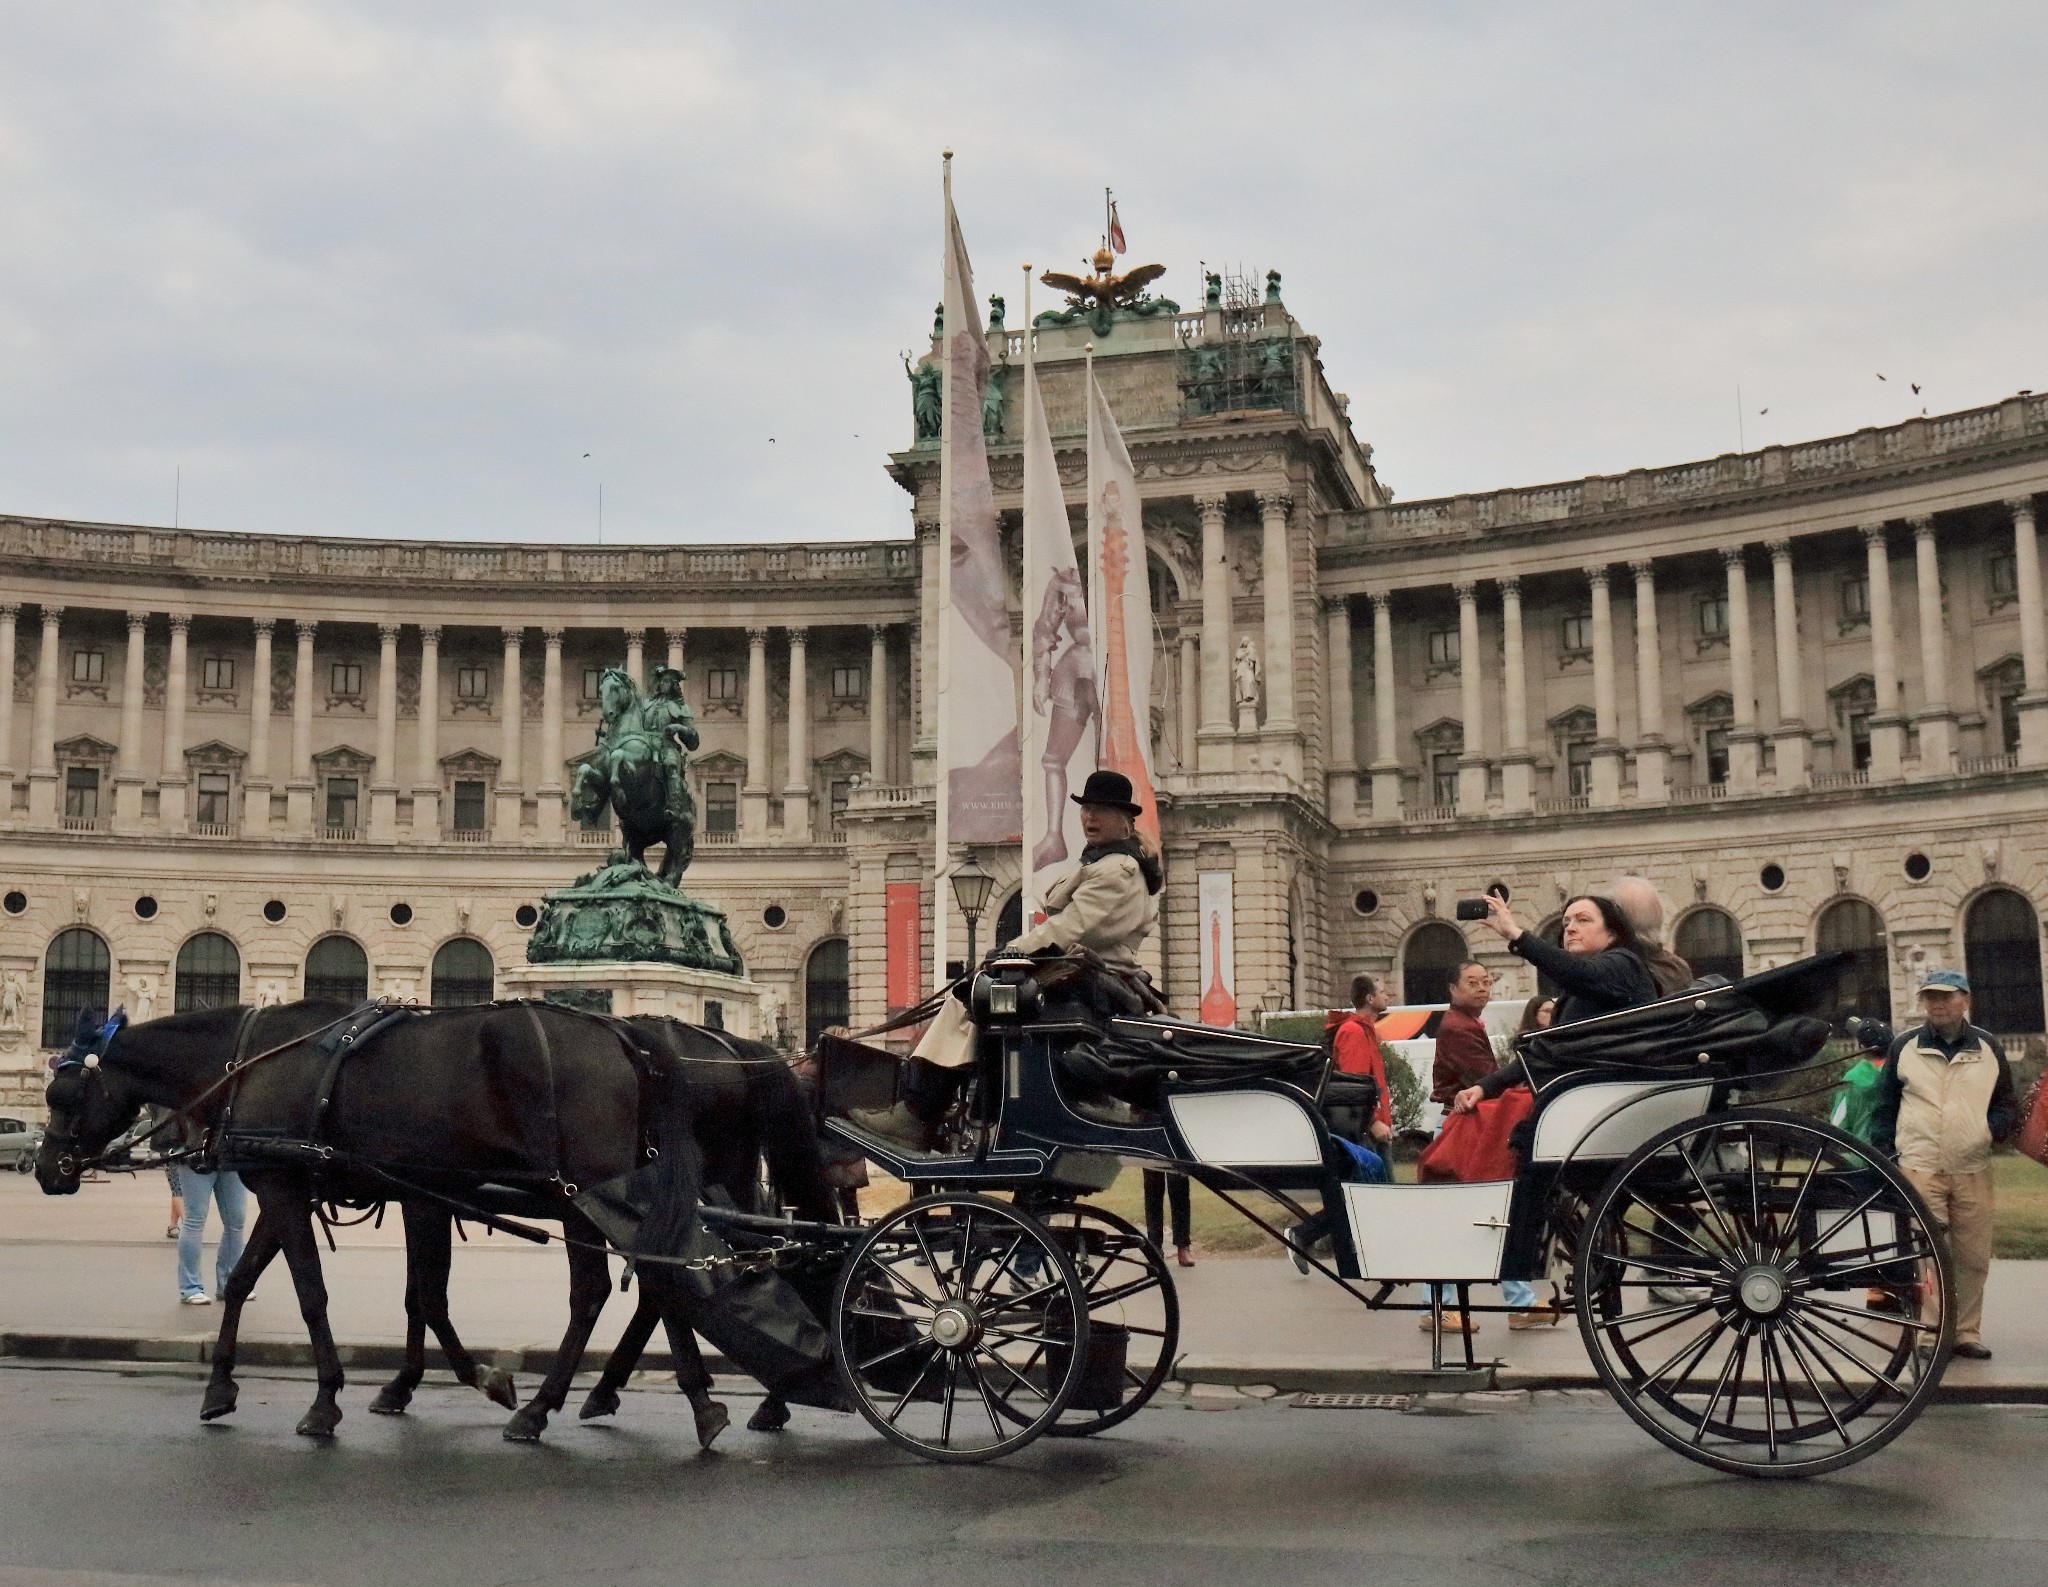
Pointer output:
x,y
636,768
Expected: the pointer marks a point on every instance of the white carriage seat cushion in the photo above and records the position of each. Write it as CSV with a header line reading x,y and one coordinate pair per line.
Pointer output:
x,y
1599,1121
1247,1129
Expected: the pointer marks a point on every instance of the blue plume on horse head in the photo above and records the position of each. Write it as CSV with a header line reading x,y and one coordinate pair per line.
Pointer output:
x,y
91,1033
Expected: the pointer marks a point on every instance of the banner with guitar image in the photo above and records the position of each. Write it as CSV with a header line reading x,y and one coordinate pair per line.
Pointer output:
x,y
1120,603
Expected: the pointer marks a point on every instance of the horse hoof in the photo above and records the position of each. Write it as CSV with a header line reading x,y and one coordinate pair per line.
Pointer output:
x,y
771,1417
601,1402
526,1426
499,1388
219,1402
711,1421
320,1422
390,1401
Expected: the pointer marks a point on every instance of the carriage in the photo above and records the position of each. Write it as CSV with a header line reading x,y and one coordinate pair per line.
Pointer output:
x,y
1757,1290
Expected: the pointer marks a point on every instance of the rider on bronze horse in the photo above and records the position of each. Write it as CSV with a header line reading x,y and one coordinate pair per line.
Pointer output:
x,y
636,767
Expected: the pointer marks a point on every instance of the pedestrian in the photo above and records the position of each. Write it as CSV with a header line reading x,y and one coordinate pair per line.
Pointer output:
x,y
1161,1190
1537,1014
1464,1051
221,1187
1944,1100
1355,1049
177,1201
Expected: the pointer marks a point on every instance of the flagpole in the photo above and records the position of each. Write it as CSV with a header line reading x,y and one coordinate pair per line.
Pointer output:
x,y
1105,217
941,825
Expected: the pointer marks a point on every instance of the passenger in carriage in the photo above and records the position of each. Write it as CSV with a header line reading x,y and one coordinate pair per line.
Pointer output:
x,y
1644,911
1602,968
1108,904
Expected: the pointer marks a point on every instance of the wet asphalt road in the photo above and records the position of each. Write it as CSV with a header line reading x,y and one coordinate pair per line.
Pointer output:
x,y
110,1481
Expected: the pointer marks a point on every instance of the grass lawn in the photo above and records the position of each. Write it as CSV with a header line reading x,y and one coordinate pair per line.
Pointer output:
x,y
2022,1229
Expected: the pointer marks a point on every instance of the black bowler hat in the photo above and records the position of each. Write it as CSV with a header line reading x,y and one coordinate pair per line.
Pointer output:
x,y
1111,789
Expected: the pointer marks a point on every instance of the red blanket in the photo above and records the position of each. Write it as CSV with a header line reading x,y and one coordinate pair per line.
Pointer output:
x,y
1473,1147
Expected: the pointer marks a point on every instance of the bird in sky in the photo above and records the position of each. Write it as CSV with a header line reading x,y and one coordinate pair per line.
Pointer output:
x,y
586,454
1916,388
1880,377
1761,412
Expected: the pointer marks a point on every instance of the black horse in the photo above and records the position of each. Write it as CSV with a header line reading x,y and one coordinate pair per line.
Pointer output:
x,y
525,1103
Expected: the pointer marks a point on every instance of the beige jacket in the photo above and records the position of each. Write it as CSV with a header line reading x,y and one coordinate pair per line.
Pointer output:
x,y
1102,907
1949,1109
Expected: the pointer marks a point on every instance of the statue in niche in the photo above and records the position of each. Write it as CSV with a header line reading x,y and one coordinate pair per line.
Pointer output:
x,y
13,993
1244,683
141,997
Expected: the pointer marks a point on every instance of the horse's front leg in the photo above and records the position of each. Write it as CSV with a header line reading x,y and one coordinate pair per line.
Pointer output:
x,y
264,1244
429,1255
603,1399
302,1252
590,1282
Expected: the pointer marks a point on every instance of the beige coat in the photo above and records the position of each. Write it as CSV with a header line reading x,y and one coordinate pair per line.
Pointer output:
x,y
1943,1125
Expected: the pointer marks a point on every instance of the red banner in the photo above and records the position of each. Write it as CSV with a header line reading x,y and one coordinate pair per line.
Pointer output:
x,y
904,933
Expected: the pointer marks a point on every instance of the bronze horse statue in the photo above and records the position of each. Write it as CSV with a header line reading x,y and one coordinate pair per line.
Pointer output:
x,y
636,769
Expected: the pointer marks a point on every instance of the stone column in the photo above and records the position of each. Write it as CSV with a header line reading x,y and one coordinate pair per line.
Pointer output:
x,y
426,766
1188,699
9,613
384,780
926,744
1212,734
1653,752
177,690
1518,767
553,823
299,787
256,783
1887,726
511,790
1386,755
1744,753
2033,701
754,791
1936,720
43,803
636,656
675,637
878,703
1342,770
796,793
128,779
1606,789
1277,580
1471,705
1791,735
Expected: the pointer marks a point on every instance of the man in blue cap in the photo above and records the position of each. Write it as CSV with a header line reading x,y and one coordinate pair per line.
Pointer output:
x,y
1944,1100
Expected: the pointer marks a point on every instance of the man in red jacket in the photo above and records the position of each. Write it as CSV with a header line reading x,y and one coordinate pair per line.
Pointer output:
x,y
1464,1052
1356,1048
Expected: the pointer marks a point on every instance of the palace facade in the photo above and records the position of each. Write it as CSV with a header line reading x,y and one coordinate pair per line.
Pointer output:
x,y
1804,690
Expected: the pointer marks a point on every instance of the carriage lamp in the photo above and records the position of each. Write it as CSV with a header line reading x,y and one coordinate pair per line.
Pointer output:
x,y
971,889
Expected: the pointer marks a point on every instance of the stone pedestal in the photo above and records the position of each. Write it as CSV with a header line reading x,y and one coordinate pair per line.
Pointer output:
x,y
628,988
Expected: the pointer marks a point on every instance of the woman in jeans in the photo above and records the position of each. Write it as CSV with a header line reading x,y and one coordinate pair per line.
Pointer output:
x,y
222,1188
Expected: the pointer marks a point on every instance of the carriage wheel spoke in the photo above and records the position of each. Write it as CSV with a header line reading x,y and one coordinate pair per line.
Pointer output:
x,y
1824,1278
1686,1311
1819,1394
905,1290
1849,1328
1123,1292
1794,1423
1756,1194
1763,1367
1728,1238
1736,1352
916,1383
1790,1229
1690,1275
1699,1349
1680,1230
1809,1330
1820,1240
931,1262
995,1426
1024,1382
968,1261
1797,1336
1896,1321
1002,1267
877,1314
889,1355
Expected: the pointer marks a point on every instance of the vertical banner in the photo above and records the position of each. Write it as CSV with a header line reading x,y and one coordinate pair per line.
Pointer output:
x,y
1215,901
902,934
1120,597
1060,728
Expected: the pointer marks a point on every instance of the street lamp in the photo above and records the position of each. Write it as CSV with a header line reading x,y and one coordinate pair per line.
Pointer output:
x,y
971,889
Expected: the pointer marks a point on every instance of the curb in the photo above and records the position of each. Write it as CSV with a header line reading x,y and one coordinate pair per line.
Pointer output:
x,y
194,1350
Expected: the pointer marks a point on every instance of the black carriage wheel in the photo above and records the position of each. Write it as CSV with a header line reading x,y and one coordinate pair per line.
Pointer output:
x,y
1724,1281
960,1328
1132,1300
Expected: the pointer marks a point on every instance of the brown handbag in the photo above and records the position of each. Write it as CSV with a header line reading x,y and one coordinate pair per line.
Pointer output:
x,y
2033,1136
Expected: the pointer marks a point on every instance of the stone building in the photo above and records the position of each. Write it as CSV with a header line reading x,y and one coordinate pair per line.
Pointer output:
x,y
1804,690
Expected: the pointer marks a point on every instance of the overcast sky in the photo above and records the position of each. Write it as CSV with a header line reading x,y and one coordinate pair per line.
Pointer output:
x,y
391,268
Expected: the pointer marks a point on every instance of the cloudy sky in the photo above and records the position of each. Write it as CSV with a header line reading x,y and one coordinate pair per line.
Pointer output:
x,y
385,268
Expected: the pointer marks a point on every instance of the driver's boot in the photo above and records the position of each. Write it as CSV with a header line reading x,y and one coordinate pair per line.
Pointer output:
x,y
896,1124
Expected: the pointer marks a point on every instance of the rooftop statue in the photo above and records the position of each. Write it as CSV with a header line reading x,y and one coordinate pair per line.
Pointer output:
x,y
1100,296
927,398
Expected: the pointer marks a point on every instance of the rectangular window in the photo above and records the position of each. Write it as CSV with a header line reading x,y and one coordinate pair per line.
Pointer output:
x,y
721,807
1714,617
1578,769
1576,634
82,793
593,683
836,796
469,806
1717,754
1859,740
217,672
722,683
211,805
849,683
88,666
1855,598
2009,723
472,683
1443,648
1443,777
342,798
346,680
2005,574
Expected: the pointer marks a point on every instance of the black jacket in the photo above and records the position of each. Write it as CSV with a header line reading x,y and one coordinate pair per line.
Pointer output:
x,y
1592,983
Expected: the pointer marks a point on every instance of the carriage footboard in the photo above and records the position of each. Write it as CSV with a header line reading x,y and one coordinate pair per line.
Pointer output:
x,y
1449,1233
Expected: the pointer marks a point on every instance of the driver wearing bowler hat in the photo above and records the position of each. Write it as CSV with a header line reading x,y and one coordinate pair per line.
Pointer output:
x,y
1107,904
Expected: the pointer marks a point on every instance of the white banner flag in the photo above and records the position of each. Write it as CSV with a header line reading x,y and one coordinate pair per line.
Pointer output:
x,y
980,796
1060,729
1120,599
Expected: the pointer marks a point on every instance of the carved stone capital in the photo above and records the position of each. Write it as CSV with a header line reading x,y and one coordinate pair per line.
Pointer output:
x,y
2021,507
1335,605
10,608
137,621
1382,604
1275,503
514,638
430,634
52,613
1733,557
1874,534
181,623
1511,587
552,637
1780,550
674,636
306,628
263,625
1644,570
1922,526
1467,592
387,633
925,528
799,637
1211,507
878,633
1597,578
757,638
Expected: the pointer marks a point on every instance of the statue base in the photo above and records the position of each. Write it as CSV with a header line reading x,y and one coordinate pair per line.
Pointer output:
x,y
622,913
626,988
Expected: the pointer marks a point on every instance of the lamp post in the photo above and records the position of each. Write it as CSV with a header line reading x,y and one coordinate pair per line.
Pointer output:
x,y
971,888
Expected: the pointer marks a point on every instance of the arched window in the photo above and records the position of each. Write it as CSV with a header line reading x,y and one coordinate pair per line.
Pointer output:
x,y
826,995
1010,920
1711,942
338,971
463,974
209,973
77,974
1428,960
2002,955
1851,926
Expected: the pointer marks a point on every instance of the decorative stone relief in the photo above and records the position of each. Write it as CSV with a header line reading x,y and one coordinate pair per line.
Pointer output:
x,y
156,677
283,681
408,688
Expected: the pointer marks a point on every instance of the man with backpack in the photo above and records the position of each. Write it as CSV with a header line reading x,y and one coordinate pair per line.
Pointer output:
x,y
1355,1050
